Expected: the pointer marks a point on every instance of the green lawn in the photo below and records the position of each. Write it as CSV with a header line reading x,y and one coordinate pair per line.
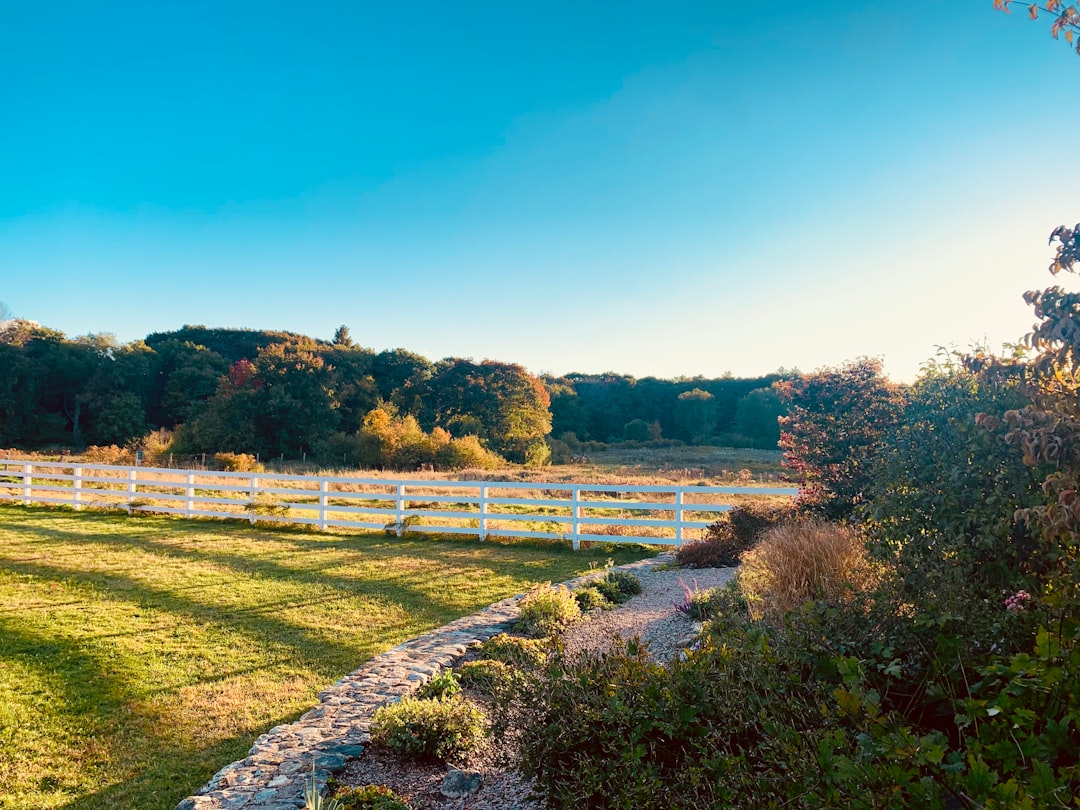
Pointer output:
x,y
140,654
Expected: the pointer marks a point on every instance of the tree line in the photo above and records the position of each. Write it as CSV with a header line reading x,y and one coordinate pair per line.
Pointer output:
x,y
283,395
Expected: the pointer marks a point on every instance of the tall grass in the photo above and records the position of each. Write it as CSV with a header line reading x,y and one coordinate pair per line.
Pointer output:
x,y
804,560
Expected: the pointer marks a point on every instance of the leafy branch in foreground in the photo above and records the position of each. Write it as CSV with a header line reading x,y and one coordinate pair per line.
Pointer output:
x,y
1064,18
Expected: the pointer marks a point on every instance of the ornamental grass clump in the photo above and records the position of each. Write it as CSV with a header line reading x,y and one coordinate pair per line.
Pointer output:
x,y
802,561
441,729
547,610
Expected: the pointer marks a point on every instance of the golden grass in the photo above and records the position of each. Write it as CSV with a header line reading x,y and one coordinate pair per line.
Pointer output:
x,y
804,560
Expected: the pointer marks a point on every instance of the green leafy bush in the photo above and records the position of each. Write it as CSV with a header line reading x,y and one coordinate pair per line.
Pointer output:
x,y
445,684
617,586
487,676
429,729
547,610
621,731
369,797
514,650
590,598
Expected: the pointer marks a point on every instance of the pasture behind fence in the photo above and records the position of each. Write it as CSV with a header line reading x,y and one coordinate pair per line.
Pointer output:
x,y
656,514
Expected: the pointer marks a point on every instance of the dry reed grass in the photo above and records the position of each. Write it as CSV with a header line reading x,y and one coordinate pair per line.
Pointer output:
x,y
804,560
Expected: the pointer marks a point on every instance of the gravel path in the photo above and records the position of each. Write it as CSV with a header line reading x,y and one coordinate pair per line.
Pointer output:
x,y
650,615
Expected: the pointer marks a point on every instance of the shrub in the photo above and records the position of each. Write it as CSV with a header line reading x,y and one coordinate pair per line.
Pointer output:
x,y
238,462
837,420
369,797
728,538
546,610
109,454
590,598
707,731
514,650
443,685
429,729
487,676
618,586
804,560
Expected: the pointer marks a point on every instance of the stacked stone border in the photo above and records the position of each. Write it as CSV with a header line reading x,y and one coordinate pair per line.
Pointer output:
x,y
323,740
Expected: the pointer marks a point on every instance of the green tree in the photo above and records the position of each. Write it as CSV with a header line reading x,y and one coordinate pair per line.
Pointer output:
x,y
695,415
757,417
502,403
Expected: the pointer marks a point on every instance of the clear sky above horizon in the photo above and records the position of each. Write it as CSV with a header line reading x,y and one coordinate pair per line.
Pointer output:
x,y
666,189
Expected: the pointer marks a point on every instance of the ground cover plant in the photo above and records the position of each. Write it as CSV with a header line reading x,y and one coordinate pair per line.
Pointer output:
x,y
138,656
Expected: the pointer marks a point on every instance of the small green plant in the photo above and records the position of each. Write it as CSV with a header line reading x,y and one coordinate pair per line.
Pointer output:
x,y
547,610
313,799
429,729
514,650
618,586
590,598
443,685
370,797
486,676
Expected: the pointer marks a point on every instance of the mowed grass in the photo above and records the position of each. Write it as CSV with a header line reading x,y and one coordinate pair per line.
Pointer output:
x,y
138,655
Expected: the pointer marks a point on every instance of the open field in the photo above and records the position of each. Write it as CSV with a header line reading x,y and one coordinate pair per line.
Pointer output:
x,y
139,655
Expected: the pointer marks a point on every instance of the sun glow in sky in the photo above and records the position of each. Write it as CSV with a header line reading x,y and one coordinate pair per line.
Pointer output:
x,y
665,189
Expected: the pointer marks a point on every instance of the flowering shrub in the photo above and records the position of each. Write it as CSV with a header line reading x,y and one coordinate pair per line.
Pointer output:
x,y
1018,601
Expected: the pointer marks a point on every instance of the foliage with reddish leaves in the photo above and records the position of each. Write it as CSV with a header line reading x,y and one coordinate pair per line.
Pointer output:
x,y
837,419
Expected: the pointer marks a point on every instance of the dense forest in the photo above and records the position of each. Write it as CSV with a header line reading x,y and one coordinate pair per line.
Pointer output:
x,y
283,395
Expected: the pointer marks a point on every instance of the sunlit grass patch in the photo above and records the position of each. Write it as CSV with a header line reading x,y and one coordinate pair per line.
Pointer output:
x,y
138,656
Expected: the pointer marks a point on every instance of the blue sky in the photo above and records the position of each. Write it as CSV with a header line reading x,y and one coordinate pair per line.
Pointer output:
x,y
665,189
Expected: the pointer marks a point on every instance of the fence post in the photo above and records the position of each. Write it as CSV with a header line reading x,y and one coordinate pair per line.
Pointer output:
x,y
483,512
324,488
678,516
400,510
575,525
27,482
189,494
253,488
76,488
131,488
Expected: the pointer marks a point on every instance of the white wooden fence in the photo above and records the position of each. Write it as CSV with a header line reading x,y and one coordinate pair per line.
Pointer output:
x,y
667,515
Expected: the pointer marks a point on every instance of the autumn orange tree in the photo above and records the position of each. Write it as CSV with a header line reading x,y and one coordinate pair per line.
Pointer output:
x,y
1063,19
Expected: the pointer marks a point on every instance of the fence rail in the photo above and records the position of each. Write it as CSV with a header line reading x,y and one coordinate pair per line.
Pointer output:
x,y
656,514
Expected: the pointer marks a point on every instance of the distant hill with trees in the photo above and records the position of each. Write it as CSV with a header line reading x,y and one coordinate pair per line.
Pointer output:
x,y
285,395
